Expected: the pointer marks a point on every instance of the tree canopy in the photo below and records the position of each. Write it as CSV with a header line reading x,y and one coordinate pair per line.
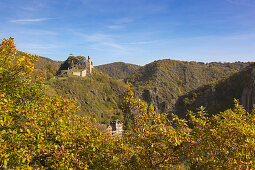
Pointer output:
x,y
38,131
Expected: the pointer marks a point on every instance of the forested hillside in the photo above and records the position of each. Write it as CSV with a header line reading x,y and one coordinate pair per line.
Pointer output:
x,y
46,63
98,95
162,82
171,86
219,96
49,66
118,70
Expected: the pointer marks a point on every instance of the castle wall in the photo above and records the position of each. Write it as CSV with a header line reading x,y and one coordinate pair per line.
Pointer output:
x,y
83,73
64,71
76,73
87,66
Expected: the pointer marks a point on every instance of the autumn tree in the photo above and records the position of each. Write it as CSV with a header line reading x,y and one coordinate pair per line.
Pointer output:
x,y
223,141
41,131
154,141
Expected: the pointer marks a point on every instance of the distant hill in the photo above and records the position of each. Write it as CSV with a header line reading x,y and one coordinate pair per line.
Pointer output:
x,y
49,66
170,85
162,82
43,62
98,95
218,96
118,70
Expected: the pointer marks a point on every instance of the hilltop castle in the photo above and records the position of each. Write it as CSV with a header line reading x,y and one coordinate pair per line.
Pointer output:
x,y
79,69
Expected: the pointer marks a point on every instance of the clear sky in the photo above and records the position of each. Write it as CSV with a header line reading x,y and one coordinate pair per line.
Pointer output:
x,y
132,31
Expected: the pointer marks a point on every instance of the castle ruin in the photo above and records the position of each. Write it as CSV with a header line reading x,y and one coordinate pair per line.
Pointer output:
x,y
80,69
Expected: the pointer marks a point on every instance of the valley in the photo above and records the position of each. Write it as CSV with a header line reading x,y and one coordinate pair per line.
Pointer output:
x,y
170,86
151,117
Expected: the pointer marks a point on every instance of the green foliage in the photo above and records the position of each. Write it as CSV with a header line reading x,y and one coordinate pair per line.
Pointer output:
x,y
48,66
98,95
167,80
76,60
16,74
118,70
154,141
225,140
132,106
218,96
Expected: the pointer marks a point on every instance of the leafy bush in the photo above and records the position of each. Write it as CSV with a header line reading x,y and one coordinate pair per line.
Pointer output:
x,y
223,141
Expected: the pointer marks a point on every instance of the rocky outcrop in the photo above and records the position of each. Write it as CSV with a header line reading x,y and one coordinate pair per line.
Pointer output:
x,y
162,83
160,101
220,95
248,94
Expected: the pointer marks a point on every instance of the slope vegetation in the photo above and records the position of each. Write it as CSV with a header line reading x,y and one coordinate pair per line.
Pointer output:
x,y
118,70
219,96
49,66
98,95
162,82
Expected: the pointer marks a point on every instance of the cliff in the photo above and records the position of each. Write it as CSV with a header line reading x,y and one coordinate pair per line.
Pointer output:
x,y
248,93
162,83
219,96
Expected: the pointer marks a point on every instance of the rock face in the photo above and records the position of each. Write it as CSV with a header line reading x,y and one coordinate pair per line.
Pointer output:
x,y
248,94
162,83
219,96
158,100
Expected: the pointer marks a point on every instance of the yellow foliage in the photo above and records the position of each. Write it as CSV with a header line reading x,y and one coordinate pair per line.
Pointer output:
x,y
43,132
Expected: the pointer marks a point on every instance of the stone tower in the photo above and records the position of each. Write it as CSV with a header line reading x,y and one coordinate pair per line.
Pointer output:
x,y
89,65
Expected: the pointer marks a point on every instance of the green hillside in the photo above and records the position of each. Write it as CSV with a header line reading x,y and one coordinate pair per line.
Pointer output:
x,y
49,66
118,70
219,96
98,95
162,82
171,86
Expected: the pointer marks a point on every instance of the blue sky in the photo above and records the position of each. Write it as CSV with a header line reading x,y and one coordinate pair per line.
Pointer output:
x,y
132,31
